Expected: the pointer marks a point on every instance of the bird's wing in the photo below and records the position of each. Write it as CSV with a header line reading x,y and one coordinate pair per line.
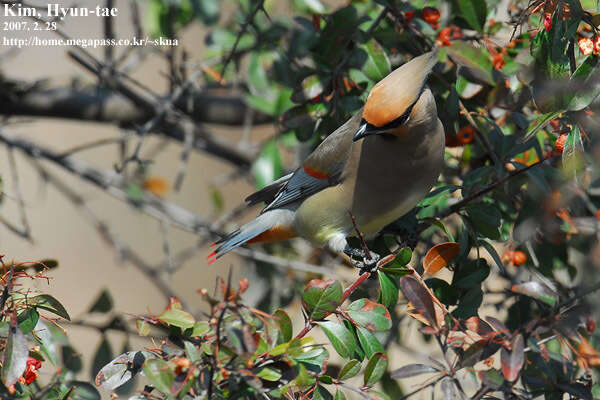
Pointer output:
x,y
268,193
323,168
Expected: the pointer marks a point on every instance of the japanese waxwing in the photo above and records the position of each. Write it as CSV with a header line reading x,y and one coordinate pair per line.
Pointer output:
x,y
376,167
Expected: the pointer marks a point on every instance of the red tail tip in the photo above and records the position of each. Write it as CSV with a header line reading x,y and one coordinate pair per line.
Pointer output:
x,y
214,253
212,260
213,245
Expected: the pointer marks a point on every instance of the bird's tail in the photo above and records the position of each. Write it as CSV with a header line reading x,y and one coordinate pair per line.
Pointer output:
x,y
272,226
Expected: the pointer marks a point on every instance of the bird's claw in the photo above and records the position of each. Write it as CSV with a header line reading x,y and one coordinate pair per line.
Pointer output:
x,y
367,264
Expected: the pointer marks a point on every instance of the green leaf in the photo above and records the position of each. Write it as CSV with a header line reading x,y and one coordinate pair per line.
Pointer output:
x,y
476,60
539,123
469,303
28,320
103,356
388,295
71,359
572,158
178,318
411,370
49,303
486,219
313,360
377,64
200,328
224,40
83,391
585,84
350,370
474,12
339,395
269,374
493,253
103,304
50,337
368,341
341,338
321,297
159,374
15,356
310,87
142,327
491,378
471,274
208,11
443,291
320,393
120,370
268,166
369,314
285,324
538,291
375,369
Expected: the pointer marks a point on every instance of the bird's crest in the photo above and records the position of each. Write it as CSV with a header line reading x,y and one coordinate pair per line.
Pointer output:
x,y
392,97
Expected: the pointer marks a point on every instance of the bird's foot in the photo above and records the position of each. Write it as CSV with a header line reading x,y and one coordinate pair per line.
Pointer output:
x,y
364,263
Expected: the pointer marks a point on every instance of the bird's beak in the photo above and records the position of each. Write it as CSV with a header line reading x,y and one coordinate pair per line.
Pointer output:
x,y
364,130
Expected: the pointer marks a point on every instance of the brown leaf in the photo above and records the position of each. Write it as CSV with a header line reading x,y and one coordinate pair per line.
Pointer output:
x,y
439,256
419,297
479,326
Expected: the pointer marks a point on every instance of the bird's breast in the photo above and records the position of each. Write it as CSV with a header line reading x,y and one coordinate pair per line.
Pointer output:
x,y
392,176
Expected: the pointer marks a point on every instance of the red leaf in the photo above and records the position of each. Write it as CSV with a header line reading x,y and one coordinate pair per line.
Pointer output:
x,y
512,360
439,256
479,326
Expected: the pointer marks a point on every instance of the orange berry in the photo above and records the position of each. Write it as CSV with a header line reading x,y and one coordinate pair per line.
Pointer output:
x,y
182,364
518,258
448,33
465,135
243,284
430,15
559,146
586,45
598,213
156,185
498,60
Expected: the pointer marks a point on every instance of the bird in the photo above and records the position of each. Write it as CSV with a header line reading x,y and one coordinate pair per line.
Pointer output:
x,y
373,169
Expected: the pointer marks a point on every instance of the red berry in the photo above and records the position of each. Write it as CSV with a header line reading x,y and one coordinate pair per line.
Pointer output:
x,y
519,258
430,15
559,146
586,45
548,22
596,45
466,135
408,16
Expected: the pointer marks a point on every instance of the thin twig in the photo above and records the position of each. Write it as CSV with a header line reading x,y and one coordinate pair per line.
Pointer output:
x,y
125,253
18,193
241,33
460,204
